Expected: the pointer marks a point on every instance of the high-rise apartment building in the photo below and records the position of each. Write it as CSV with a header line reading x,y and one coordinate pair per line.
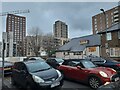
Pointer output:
x,y
102,21
17,25
60,29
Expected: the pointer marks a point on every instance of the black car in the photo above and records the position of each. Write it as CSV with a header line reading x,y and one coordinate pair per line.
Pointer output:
x,y
105,62
54,62
7,67
36,74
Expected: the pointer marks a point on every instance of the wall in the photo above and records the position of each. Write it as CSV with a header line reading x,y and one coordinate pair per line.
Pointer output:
x,y
69,56
95,50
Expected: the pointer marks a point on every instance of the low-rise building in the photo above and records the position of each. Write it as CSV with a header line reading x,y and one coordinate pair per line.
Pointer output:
x,y
80,47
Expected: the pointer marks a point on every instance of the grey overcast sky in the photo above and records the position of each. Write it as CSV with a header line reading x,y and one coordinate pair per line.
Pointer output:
x,y
77,15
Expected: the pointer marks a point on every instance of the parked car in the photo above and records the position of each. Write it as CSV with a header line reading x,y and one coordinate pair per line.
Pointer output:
x,y
115,85
105,62
54,62
36,74
7,67
85,71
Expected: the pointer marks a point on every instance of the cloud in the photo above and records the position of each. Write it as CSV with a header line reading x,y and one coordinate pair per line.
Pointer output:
x,y
77,15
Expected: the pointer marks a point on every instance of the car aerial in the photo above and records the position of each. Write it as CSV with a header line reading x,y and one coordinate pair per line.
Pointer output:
x,y
85,71
54,62
105,62
36,74
7,67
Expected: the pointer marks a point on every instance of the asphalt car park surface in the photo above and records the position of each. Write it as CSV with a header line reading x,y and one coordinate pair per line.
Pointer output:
x,y
68,84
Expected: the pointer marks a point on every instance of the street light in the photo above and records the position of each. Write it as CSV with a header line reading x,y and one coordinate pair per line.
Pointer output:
x,y
106,44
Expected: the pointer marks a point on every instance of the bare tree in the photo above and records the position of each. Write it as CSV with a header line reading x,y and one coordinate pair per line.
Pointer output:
x,y
34,40
50,44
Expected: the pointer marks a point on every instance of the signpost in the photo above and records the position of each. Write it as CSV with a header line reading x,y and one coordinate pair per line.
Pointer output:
x,y
3,63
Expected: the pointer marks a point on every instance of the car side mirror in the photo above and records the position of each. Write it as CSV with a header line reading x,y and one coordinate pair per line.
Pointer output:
x,y
79,67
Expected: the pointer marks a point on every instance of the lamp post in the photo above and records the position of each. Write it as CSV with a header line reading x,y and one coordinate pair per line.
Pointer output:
x,y
106,44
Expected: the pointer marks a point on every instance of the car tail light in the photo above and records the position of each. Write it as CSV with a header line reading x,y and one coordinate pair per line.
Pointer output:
x,y
118,65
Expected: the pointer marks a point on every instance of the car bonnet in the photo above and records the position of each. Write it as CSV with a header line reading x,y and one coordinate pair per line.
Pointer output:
x,y
47,74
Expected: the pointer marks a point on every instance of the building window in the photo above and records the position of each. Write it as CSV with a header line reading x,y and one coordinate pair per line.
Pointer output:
x,y
111,52
109,37
77,53
107,25
118,34
115,52
66,53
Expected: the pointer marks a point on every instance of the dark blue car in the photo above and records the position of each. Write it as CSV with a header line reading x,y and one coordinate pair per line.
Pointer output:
x,y
105,62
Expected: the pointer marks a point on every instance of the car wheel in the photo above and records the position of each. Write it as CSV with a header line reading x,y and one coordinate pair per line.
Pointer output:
x,y
94,82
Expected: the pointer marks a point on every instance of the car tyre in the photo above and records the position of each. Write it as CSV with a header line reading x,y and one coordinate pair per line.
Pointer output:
x,y
94,82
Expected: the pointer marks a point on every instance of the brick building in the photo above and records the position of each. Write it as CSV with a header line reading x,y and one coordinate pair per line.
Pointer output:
x,y
111,46
100,21
17,25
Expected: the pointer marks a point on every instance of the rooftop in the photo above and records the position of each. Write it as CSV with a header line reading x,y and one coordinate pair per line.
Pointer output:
x,y
80,43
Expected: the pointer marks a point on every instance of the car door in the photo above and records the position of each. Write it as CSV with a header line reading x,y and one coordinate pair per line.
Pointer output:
x,y
22,75
80,73
67,69
17,73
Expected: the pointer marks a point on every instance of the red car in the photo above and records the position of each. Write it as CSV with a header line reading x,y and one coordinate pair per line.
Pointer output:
x,y
85,71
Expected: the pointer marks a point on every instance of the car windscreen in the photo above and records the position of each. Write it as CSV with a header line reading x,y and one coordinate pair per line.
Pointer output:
x,y
59,60
37,66
88,64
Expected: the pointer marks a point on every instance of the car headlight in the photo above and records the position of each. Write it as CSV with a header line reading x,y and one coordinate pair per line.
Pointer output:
x,y
37,79
59,73
103,74
114,70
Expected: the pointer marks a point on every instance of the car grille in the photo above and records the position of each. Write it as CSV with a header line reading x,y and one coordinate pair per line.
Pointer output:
x,y
50,80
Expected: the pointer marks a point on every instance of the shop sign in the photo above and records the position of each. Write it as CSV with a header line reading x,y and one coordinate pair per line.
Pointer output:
x,y
92,49
84,42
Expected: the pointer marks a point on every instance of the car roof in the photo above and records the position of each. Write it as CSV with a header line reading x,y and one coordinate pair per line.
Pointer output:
x,y
75,59
54,58
30,61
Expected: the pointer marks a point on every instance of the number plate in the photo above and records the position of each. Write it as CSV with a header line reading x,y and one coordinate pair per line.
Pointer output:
x,y
116,79
55,84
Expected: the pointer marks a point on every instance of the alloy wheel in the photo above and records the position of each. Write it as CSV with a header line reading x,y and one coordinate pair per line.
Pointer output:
x,y
94,82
